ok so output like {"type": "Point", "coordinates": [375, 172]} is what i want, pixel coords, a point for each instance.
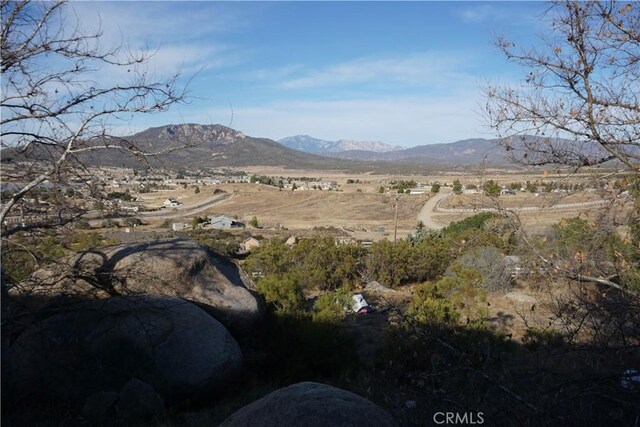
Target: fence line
{"type": "Point", "coordinates": [438, 208]}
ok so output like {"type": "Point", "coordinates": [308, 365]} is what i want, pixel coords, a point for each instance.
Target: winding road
{"type": "Point", "coordinates": [182, 212]}
{"type": "Point", "coordinates": [431, 209]}
{"type": "Point", "coordinates": [428, 212]}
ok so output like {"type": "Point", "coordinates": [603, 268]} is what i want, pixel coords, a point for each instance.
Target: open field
{"type": "Point", "coordinates": [360, 214]}
{"type": "Point", "coordinates": [519, 200]}
{"type": "Point", "coordinates": [356, 208]}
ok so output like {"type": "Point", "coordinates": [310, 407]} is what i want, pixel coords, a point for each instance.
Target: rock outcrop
{"type": "Point", "coordinates": [173, 267]}
{"type": "Point", "coordinates": [310, 404]}
{"type": "Point", "coordinates": [99, 346]}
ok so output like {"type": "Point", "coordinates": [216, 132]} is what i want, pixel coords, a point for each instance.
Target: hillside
{"type": "Point", "coordinates": [211, 146]}
{"type": "Point", "coordinates": [204, 146]}
{"type": "Point", "coordinates": [469, 151]}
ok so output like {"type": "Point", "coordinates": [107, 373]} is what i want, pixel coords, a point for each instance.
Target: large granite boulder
{"type": "Point", "coordinates": [99, 346]}
{"type": "Point", "coordinates": [310, 404]}
{"type": "Point", "coordinates": [174, 267]}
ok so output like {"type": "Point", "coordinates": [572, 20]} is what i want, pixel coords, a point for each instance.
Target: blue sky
{"type": "Point", "coordinates": [405, 73]}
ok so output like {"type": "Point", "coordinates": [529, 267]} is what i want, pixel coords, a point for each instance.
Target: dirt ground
{"type": "Point", "coordinates": [354, 212]}
{"type": "Point", "coordinates": [519, 200]}
{"type": "Point", "coordinates": [357, 208]}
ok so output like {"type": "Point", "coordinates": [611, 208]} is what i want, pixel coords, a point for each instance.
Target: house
{"type": "Point", "coordinates": [417, 191]}
{"type": "Point", "coordinates": [345, 241]}
{"type": "Point", "coordinates": [250, 243]}
{"type": "Point", "coordinates": [171, 203]}
{"type": "Point", "coordinates": [328, 185]}
{"type": "Point", "coordinates": [223, 222]}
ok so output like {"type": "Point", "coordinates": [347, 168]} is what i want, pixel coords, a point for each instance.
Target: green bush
{"type": "Point", "coordinates": [431, 309]}
{"type": "Point", "coordinates": [283, 293]}
{"type": "Point", "coordinates": [330, 307]}
{"type": "Point", "coordinates": [218, 241]}
{"type": "Point", "coordinates": [443, 302]}
{"type": "Point", "coordinates": [457, 187]}
{"type": "Point", "coordinates": [474, 222]}
{"type": "Point", "coordinates": [491, 188]}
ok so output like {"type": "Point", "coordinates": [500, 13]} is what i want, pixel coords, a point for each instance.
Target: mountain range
{"type": "Point", "coordinates": [313, 145]}
{"type": "Point", "coordinates": [210, 146]}
{"type": "Point", "coordinates": [469, 151]}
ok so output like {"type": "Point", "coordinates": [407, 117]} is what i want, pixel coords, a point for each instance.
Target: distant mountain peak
{"type": "Point", "coordinates": [310, 144]}
{"type": "Point", "coordinates": [192, 132]}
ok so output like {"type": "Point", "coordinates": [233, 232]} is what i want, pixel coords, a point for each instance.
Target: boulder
{"type": "Point", "coordinates": [310, 404]}
{"type": "Point", "coordinates": [101, 345]}
{"type": "Point", "coordinates": [375, 286]}
{"type": "Point", "coordinates": [139, 402]}
{"type": "Point", "coordinates": [173, 267]}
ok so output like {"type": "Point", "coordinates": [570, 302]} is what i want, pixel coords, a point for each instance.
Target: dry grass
{"type": "Point", "coordinates": [519, 200]}
{"type": "Point", "coordinates": [359, 209]}
{"type": "Point", "coordinates": [352, 211]}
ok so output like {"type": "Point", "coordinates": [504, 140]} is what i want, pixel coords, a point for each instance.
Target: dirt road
{"type": "Point", "coordinates": [428, 214]}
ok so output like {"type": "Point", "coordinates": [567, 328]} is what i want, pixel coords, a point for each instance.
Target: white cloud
{"type": "Point", "coordinates": [174, 39]}
{"type": "Point", "coordinates": [481, 13]}
{"type": "Point", "coordinates": [405, 121]}
{"type": "Point", "coordinates": [418, 69]}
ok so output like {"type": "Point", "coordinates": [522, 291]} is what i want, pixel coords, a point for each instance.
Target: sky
{"type": "Point", "coordinates": [404, 73]}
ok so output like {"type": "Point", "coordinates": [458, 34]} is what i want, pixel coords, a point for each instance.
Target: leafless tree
{"type": "Point", "coordinates": [58, 102]}
{"type": "Point", "coordinates": [583, 83]}
{"type": "Point", "coordinates": [579, 105]}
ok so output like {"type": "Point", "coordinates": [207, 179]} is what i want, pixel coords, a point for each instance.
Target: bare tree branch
{"type": "Point", "coordinates": [51, 114]}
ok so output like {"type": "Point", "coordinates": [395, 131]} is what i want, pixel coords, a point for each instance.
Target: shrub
{"type": "Point", "coordinates": [283, 293]}
{"type": "Point", "coordinates": [474, 222]}
{"type": "Point", "coordinates": [491, 188]}
{"type": "Point", "coordinates": [457, 187]}
{"type": "Point", "coordinates": [459, 290]}
{"type": "Point", "coordinates": [330, 307]}
{"type": "Point", "coordinates": [431, 308]}
{"type": "Point", "coordinates": [492, 266]}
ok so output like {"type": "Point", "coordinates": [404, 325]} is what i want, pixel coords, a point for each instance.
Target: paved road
{"type": "Point", "coordinates": [180, 212]}
{"type": "Point", "coordinates": [186, 210]}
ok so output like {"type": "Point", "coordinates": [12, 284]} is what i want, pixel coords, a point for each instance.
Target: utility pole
{"type": "Point", "coordinates": [395, 229]}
